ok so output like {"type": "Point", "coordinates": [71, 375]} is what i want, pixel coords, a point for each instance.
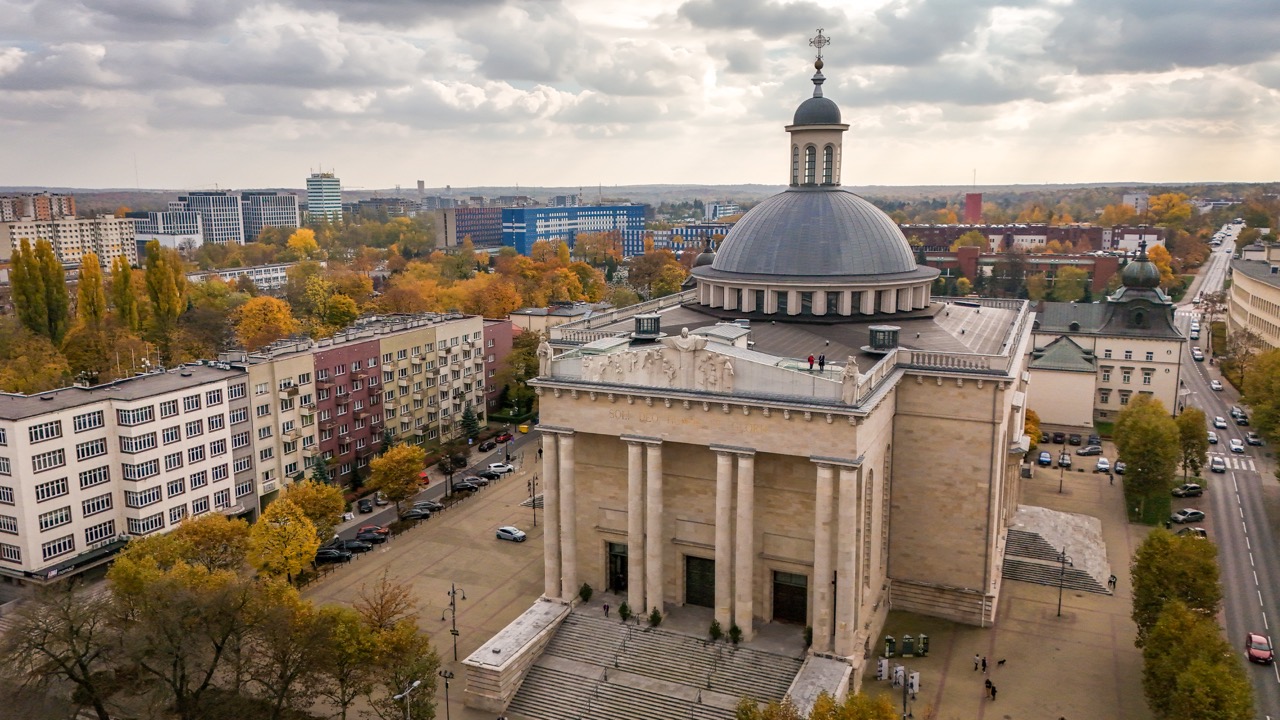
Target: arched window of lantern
{"type": "Point", "coordinates": [795, 164]}
{"type": "Point", "coordinates": [810, 165]}
{"type": "Point", "coordinates": [828, 164]}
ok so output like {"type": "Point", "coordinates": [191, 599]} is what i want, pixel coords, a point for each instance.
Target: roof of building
{"type": "Point", "coordinates": [1063, 354]}
{"type": "Point", "coordinates": [817, 110]}
{"type": "Point", "coordinates": [1257, 269]}
{"type": "Point", "coordinates": [17, 407]}
{"type": "Point", "coordinates": [815, 231]}
{"type": "Point", "coordinates": [573, 310]}
{"type": "Point", "coordinates": [1120, 316]}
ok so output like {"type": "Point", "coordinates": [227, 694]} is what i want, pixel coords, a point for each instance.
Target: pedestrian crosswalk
{"type": "Point", "coordinates": [1235, 461]}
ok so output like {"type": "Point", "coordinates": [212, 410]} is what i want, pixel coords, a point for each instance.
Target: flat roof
{"type": "Point", "coordinates": [16, 406]}
{"type": "Point", "coordinates": [1259, 270]}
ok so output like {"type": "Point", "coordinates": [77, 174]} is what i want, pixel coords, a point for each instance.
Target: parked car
{"type": "Point", "coordinates": [1242, 419]}
{"type": "Point", "coordinates": [1044, 438]}
{"type": "Point", "coordinates": [1090, 450]}
{"type": "Point", "coordinates": [1195, 532]}
{"type": "Point", "coordinates": [416, 514]}
{"type": "Point", "coordinates": [501, 468]}
{"type": "Point", "coordinates": [1197, 356]}
{"type": "Point", "coordinates": [1215, 385]}
{"type": "Point", "coordinates": [1213, 438]}
{"type": "Point", "coordinates": [1236, 445]}
{"type": "Point", "coordinates": [1118, 468]}
{"type": "Point", "coordinates": [1195, 334]}
{"type": "Point", "coordinates": [476, 480]}
{"type": "Point", "coordinates": [1258, 648]}
{"type": "Point", "coordinates": [1218, 465]}
{"type": "Point", "coordinates": [1064, 460]}
{"type": "Point", "coordinates": [372, 538]}
{"type": "Point", "coordinates": [352, 546]}
{"type": "Point", "coordinates": [379, 500]}
{"type": "Point", "coordinates": [1188, 490]}
{"type": "Point", "coordinates": [1186, 515]}
{"type": "Point", "coordinates": [1103, 465]}
{"type": "Point", "coordinates": [1074, 439]}
{"type": "Point", "coordinates": [462, 486]}
{"type": "Point", "coordinates": [1235, 411]}
{"type": "Point", "coordinates": [332, 555]}
{"type": "Point", "coordinates": [506, 532]}
{"type": "Point", "coordinates": [490, 475]}
{"type": "Point", "coordinates": [1046, 460]}
{"type": "Point", "coordinates": [431, 505]}
{"type": "Point", "coordinates": [488, 445]}
{"type": "Point", "coordinates": [1059, 438]}
{"type": "Point", "coordinates": [505, 437]}
{"type": "Point", "coordinates": [1253, 438]}
{"type": "Point", "coordinates": [379, 529]}
{"type": "Point", "coordinates": [365, 505]}
{"type": "Point", "coordinates": [1093, 440]}
{"type": "Point", "coordinates": [1219, 422]}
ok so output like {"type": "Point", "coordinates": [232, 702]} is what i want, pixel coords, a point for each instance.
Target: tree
{"type": "Point", "coordinates": [64, 634]}
{"type": "Point", "coordinates": [1147, 439]}
{"type": "Point", "coordinates": [166, 287]}
{"type": "Point", "coordinates": [669, 280]}
{"type": "Point", "coordinates": [1069, 286]}
{"type": "Point", "coordinates": [303, 243]}
{"type": "Point", "coordinates": [263, 320]}
{"type": "Point", "coordinates": [286, 643]}
{"type": "Point", "coordinates": [1242, 346]}
{"type": "Point", "coordinates": [122, 295]}
{"type": "Point", "coordinates": [404, 655]}
{"type": "Point", "coordinates": [1169, 208]}
{"type": "Point", "coordinates": [39, 289]}
{"type": "Point", "coordinates": [345, 661]}
{"type": "Point", "coordinates": [342, 311]}
{"type": "Point", "coordinates": [395, 473]}
{"type": "Point", "coordinates": [1262, 393]}
{"type": "Point", "coordinates": [470, 423]}
{"type": "Point", "coordinates": [91, 300]}
{"type": "Point", "coordinates": [1168, 567]}
{"type": "Point", "coordinates": [1037, 287]}
{"type": "Point", "coordinates": [963, 286]}
{"type": "Point", "coordinates": [1118, 214]}
{"type": "Point", "coordinates": [1164, 262]}
{"type": "Point", "coordinates": [1193, 442]}
{"type": "Point", "coordinates": [1191, 672]}
{"type": "Point", "coordinates": [322, 503]}
{"type": "Point", "coordinates": [1031, 427]}
{"type": "Point", "coordinates": [385, 604]}
{"type": "Point", "coordinates": [973, 238]}
{"type": "Point", "coordinates": [621, 297]}
{"type": "Point", "coordinates": [283, 541]}
{"type": "Point", "coordinates": [29, 363]}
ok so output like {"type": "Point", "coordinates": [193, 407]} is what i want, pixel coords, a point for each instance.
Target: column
{"type": "Point", "coordinates": [744, 571]}
{"type": "Point", "coordinates": [846, 621]}
{"type": "Point", "coordinates": [820, 303]}
{"type": "Point", "coordinates": [568, 522]}
{"type": "Point", "coordinates": [822, 507]}
{"type": "Point", "coordinates": [868, 305]}
{"type": "Point", "coordinates": [888, 300]}
{"type": "Point", "coordinates": [551, 515]}
{"type": "Point", "coordinates": [635, 526]}
{"type": "Point", "coordinates": [793, 302]}
{"type": "Point", "coordinates": [724, 539]}
{"type": "Point", "coordinates": [653, 545]}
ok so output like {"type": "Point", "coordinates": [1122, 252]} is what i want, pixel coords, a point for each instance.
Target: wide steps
{"type": "Point", "coordinates": [549, 694]}
{"type": "Point", "coordinates": [1021, 543]}
{"type": "Point", "coordinates": [1043, 574]}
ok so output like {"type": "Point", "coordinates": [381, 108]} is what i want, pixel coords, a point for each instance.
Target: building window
{"type": "Point", "coordinates": [828, 163]}
{"type": "Point", "coordinates": [194, 428]}
{"type": "Point", "coordinates": [138, 444]}
{"type": "Point", "coordinates": [220, 472]}
{"type": "Point", "coordinates": [1128, 354]}
{"type": "Point", "coordinates": [1151, 356]}
{"type": "Point", "coordinates": [142, 471]}
{"type": "Point", "coordinates": [191, 403]}
{"type": "Point", "coordinates": [243, 489]}
{"type": "Point", "coordinates": [1146, 377]}
{"type": "Point", "coordinates": [235, 392]}
{"type": "Point", "coordinates": [55, 518]}
{"type": "Point", "coordinates": [88, 421]}
{"type": "Point", "coordinates": [45, 431]}
{"type": "Point", "coordinates": [199, 480]}
{"type": "Point", "coordinates": [1106, 353]}
{"type": "Point", "coordinates": [261, 388]}
{"type": "Point", "coordinates": [171, 435]}
{"type": "Point", "coordinates": [263, 410]}
{"type": "Point", "coordinates": [195, 454]}
{"type": "Point", "coordinates": [177, 513]}
{"type": "Point", "coordinates": [264, 432]}
{"type": "Point", "coordinates": [216, 422]}
{"type": "Point", "coordinates": [136, 416]}
{"type": "Point", "coordinates": [95, 505]}
{"type": "Point", "coordinates": [172, 461]}
{"type": "Point", "coordinates": [9, 524]}
{"type": "Point", "coordinates": [100, 532]}
{"type": "Point", "coordinates": [810, 165]}
{"type": "Point", "coordinates": [213, 397]}
{"type": "Point", "coordinates": [240, 465]}
{"type": "Point", "coordinates": [176, 487]}
{"type": "Point", "coordinates": [222, 499]}
{"type": "Point", "coordinates": [217, 447]}
{"type": "Point", "coordinates": [151, 496]}
{"type": "Point", "coordinates": [61, 546]}
{"type": "Point", "coordinates": [200, 506]}
{"type": "Point", "coordinates": [96, 476]}
{"type": "Point", "coordinates": [10, 553]}
{"type": "Point", "coordinates": [240, 440]}
{"type": "Point", "coordinates": [168, 408]}
{"type": "Point", "coordinates": [146, 525]}
{"type": "Point", "coordinates": [1125, 376]}
{"type": "Point", "coordinates": [91, 449]}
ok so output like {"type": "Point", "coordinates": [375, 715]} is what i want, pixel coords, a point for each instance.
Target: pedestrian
{"type": "Point", "coordinates": [976, 659]}
{"type": "Point", "coordinates": [988, 690]}
{"type": "Point", "coordinates": [984, 664]}
{"type": "Point", "coordinates": [606, 609]}
{"type": "Point", "coordinates": [1111, 582]}
{"type": "Point", "coordinates": [822, 363]}
{"type": "Point", "coordinates": [993, 692]}
{"type": "Point", "coordinates": [810, 363]}
{"type": "Point", "coordinates": [1111, 477]}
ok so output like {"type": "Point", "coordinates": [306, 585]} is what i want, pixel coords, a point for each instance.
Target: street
{"type": "Point", "coordinates": [1236, 503]}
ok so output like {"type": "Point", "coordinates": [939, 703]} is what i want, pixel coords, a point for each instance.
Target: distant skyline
{"type": "Point", "coordinates": [186, 95]}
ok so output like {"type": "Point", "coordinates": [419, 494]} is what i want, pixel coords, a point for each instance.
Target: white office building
{"type": "Point", "coordinates": [324, 197]}
{"type": "Point", "coordinates": [177, 229]}
{"type": "Point", "coordinates": [221, 218]}
{"type": "Point", "coordinates": [266, 208]}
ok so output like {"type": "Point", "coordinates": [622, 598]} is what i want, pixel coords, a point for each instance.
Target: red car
{"type": "Point", "coordinates": [1258, 648]}
{"type": "Point", "coordinates": [375, 529]}
{"type": "Point", "coordinates": [505, 437]}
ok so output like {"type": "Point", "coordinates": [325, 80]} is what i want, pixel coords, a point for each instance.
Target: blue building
{"type": "Point", "coordinates": [522, 227]}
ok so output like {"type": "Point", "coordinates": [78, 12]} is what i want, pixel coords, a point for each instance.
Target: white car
{"type": "Point", "coordinates": [506, 532]}
{"type": "Point", "coordinates": [1219, 422]}
{"type": "Point", "coordinates": [1236, 445]}
{"type": "Point", "coordinates": [1215, 385]}
{"type": "Point", "coordinates": [504, 468]}
{"type": "Point", "coordinates": [1103, 465]}
{"type": "Point", "coordinates": [1213, 438]}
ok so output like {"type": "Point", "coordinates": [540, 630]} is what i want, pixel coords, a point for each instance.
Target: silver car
{"type": "Point", "coordinates": [507, 532]}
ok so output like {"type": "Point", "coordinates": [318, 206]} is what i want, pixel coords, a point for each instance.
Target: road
{"type": "Point", "coordinates": [1234, 502]}
{"type": "Point", "coordinates": [523, 443]}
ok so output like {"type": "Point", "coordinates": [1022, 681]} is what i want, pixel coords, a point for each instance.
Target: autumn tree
{"type": "Point", "coordinates": [283, 541]}
{"type": "Point", "coordinates": [1069, 285]}
{"type": "Point", "coordinates": [964, 286]}
{"type": "Point", "coordinates": [1168, 567]}
{"type": "Point", "coordinates": [263, 320]}
{"type": "Point", "coordinates": [1117, 214]}
{"type": "Point", "coordinates": [322, 503]}
{"type": "Point", "coordinates": [166, 287]}
{"type": "Point", "coordinates": [91, 300]}
{"type": "Point", "coordinates": [283, 666]}
{"type": "Point", "coordinates": [1192, 441]}
{"type": "Point", "coordinates": [1190, 672]}
{"type": "Point", "coordinates": [1242, 345]}
{"type": "Point", "coordinates": [395, 473]}
{"type": "Point", "coordinates": [1147, 440]}
{"type": "Point", "coordinates": [1037, 287]}
{"type": "Point", "coordinates": [1164, 262]}
{"type": "Point", "coordinates": [39, 288]}
{"type": "Point", "coordinates": [302, 243]}
{"type": "Point", "coordinates": [345, 661]}
{"type": "Point", "coordinates": [341, 311]}
{"type": "Point", "coordinates": [29, 363]}
{"type": "Point", "coordinates": [123, 297]}
{"type": "Point", "coordinates": [1262, 392]}
{"type": "Point", "coordinates": [1169, 208]}
{"type": "Point", "coordinates": [385, 604]}
{"type": "Point", "coordinates": [973, 238]}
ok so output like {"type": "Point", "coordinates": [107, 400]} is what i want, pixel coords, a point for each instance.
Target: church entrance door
{"type": "Point", "coordinates": [617, 567]}
{"type": "Point", "coordinates": [699, 581]}
{"type": "Point", "coordinates": [790, 597]}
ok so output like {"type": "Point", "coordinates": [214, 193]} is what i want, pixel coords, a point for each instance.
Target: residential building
{"type": "Point", "coordinates": [265, 208]}
{"type": "Point", "coordinates": [1034, 237]}
{"type": "Point", "coordinates": [264, 277]}
{"type": "Point", "coordinates": [498, 336]}
{"type": "Point", "coordinates": [37, 206]}
{"type": "Point", "coordinates": [176, 229]}
{"type": "Point", "coordinates": [972, 263]}
{"type": "Point", "coordinates": [1254, 298]}
{"type": "Point", "coordinates": [1138, 201]}
{"type": "Point", "coordinates": [482, 224]}
{"type": "Point", "coordinates": [71, 237]}
{"type": "Point", "coordinates": [712, 212]}
{"type": "Point", "coordinates": [523, 226]}
{"type": "Point", "coordinates": [1089, 360]}
{"type": "Point", "coordinates": [82, 469]}
{"type": "Point", "coordinates": [324, 197]}
{"type": "Point", "coordinates": [689, 236]}
{"type": "Point", "coordinates": [565, 201]}
{"type": "Point", "coordinates": [221, 215]}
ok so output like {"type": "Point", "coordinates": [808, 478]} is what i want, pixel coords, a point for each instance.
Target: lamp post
{"type": "Point", "coordinates": [447, 675]}
{"type": "Point", "coordinates": [1062, 471]}
{"type": "Point", "coordinates": [1063, 559]}
{"type": "Point", "coordinates": [533, 493]}
{"type": "Point", "coordinates": [404, 697]}
{"type": "Point", "coordinates": [455, 593]}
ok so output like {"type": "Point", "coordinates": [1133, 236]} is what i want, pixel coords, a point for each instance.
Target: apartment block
{"type": "Point", "coordinates": [71, 237]}
{"type": "Point", "coordinates": [524, 226]}
{"type": "Point", "coordinates": [482, 224]}
{"type": "Point", "coordinates": [498, 336]}
{"type": "Point", "coordinates": [82, 469]}
{"type": "Point", "coordinates": [37, 206]}
{"type": "Point", "coordinates": [264, 277]}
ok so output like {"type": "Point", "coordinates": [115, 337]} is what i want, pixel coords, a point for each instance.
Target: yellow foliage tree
{"type": "Point", "coordinates": [1163, 260]}
{"type": "Point", "coordinates": [283, 541]}
{"type": "Point", "coordinates": [1169, 208]}
{"type": "Point", "coordinates": [973, 238]}
{"type": "Point", "coordinates": [1118, 214]}
{"type": "Point", "coordinates": [303, 243]}
{"type": "Point", "coordinates": [320, 502]}
{"type": "Point", "coordinates": [263, 320]}
{"type": "Point", "coordinates": [395, 474]}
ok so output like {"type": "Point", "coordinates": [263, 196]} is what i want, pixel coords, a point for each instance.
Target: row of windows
{"type": "Point", "coordinates": [1150, 355]}
{"type": "Point", "coordinates": [150, 496]}
{"type": "Point", "coordinates": [45, 431]}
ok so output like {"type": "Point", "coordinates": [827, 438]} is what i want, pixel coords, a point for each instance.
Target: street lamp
{"type": "Point", "coordinates": [404, 697]}
{"type": "Point", "coordinates": [447, 675]}
{"type": "Point", "coordinates": [1062, 471]}
{"type": "Point", "coordinates": [1063, 560]}
{"type": "Point", "coordinates": [455, 593]}
{"type": "Point", "coordinates": [533, 503]}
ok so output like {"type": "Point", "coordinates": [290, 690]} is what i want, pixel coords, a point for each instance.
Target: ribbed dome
{"type": "Point", "coordinates": [1141, 273]}
{"type": "Point", "coordinates": [815, 232]}
{"type": "Point", "coordinates": [817, 111]}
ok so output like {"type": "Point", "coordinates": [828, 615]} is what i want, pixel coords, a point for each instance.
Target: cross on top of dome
{"type": "Point", "coordinates": [819, 41]}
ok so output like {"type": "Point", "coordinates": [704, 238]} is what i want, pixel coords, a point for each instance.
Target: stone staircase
{"type": "Point", "coordinates": [1023, 544]}
{"type": "Point", "coordinates": [536, 502]}
{"type": "Point", "coordinates": [1028, 557]}
{"type": "Point", "coordinates": [596, 667]}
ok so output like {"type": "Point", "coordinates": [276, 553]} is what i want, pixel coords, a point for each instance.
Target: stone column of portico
{"type": "Point", "coordinates": [868, 304]}
{"type": "Point", "coordinates": [745, 553]}
{"type": "Point", "coordinates": [846, 621]}
{"type": "Point", "coordinates": [635, 525]}
{"type": "Point", "coordinates": [888, 301]}
{"type": "Point", "coordinates": [550, 515]}
{"type": "Point", "coordinates": [820, 303]}
{"type": "Point", "coordinates": [822, 509]}
{"type": "Point", "coordinates": [724, 538]}
{"type": "Point", "coordinates": [653, 540]}
{"type": "Point", "coordinates": [568, 521]}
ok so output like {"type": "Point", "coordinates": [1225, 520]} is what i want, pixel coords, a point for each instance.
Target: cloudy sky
{"type": "Point", "coordinates": [247, 93]}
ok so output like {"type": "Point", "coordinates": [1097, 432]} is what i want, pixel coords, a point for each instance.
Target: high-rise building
{"type": "Point", "coordinates": [482, 225]}
{"type": "Point", "coordinates": [716, 210]}
{"type": "Point", "coordinates": [177, 229]}
{"type": "Point", "coordinates": [37, 206]}
{"type": "Point", "coordinates": [522, 227]}
{"type": "Point", "coordinates": [71, 237]}
{"type": "Point", "coordinates": [221, 218]}
{"type": "Point", "coordinates": [1141, 202]}
{"type": "Point", "coordinates": [324, 197]}
{"type": "Point", "coordinates": [267, 208]}
{"type": "Point", "coordinates": [973, 208]}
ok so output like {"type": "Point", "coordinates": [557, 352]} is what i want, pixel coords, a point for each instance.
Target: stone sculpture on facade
{"type": "Point", "coordinates": [544, 357]}
{"type": "Point", "coordinates": [850, 379]}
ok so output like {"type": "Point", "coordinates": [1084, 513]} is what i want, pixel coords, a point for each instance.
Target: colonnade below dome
{"type": "Point", "coordinates": [815, 300]}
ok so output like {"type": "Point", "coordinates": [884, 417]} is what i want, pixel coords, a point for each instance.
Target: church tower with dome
{"type": "Point", "coordinates": [803, 439]}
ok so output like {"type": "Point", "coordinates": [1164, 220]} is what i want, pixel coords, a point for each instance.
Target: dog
{"type": "Point", "coordinates": [1000, 662]}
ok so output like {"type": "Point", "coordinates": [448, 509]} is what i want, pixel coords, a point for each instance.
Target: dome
{"type": "Point", "coordinates": [817, 111]}
{"type": "Point", "coordinates": [815, 231]}
{"type": "Point", "coordinates": [1141, 273]}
